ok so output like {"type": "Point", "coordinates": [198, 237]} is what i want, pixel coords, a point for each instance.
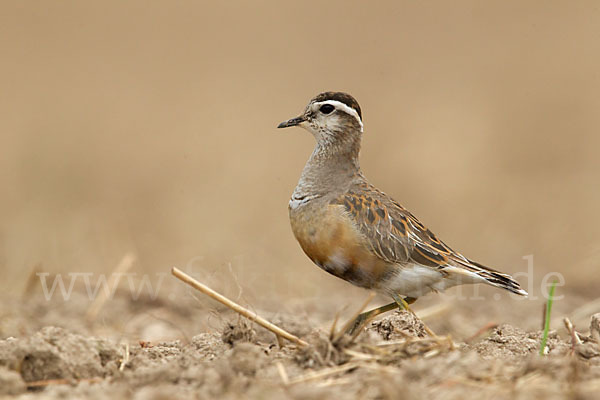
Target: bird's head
{"type": "Point", "coordinates": [332, 117]}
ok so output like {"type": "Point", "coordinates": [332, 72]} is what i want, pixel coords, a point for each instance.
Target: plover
{"type": "Point", "coordinates": [354, 231]}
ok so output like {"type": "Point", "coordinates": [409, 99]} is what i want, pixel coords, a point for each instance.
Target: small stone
{"type": "Point", "coordinates": [595, 327]}
{"type": "Point", "coordinates": [588, 350]}
{"type": "Point", "coordinates": [11, 383]}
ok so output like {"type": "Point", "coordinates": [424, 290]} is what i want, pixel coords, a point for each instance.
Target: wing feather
{"type": "Point", "coordinates": [397, 236]}
{"type": "Point", "coordinates": [393, 233]}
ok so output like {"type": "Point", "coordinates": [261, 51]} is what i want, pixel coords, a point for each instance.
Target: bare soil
{"type": "Point", "coordinates": [392, 358]}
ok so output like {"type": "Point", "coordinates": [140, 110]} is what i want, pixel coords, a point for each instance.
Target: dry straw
{"type": "Point", "coordinates": [251, 315]}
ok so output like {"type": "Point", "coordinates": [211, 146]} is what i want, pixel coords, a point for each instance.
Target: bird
{"type": "Point", "coordinates": [354, 231]}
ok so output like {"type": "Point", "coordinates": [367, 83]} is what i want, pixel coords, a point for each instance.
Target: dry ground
{"type": "Point", "coordinates": [213, 353]}
{"type": "Point", "coordinates": [149, 128]}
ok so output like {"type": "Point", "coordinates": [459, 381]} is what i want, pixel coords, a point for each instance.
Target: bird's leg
{"type": "Point", "coordinates": [403, 304]}
{"type": "Point", "coordinates": [367, 315]}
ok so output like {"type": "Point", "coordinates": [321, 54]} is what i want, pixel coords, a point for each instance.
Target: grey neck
{"type": "Point", "coordinates": [332, 167]}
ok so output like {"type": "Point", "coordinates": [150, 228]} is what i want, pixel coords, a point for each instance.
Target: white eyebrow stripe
{"type": "Point", "coordinates": [343, 107]}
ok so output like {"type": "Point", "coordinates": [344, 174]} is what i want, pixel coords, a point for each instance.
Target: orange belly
{"type": "Point", "coordinates": [331, 241]}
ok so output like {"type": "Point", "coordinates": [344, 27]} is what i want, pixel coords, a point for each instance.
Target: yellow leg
{"type": "Point", "coordinates": [403, 304]}
{"type": "Point", "coordinates": [368, 315]}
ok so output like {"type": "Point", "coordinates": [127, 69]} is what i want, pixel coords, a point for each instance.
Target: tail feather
{"type": "Point", "coordinates": [493, 277]}
{"type": "Point", "coordinates": [499, 279]}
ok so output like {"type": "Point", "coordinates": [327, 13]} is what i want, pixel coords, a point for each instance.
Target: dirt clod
{"type": "Point", "coordinates": [242, 331]}
{"type": "Point", "coordinates": [595, 327]}
{"type": "Point", "coordinates": [11, 382]}
{"type": "Point", "coordinates": [398, 325]}
{"type": "Point", "coordinates": [507, 341]}
{"type": "Point", "coordinates": [54, 353]}
{"type": "Point", "coordinates": [588, 350]}
{"type": "Point", "coordinates": [247, 358]}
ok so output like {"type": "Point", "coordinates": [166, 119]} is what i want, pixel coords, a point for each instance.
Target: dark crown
{"type": "Point", "coordinates": [341, 97]}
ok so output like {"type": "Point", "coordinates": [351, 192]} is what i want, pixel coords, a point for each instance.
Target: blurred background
{"type": "Point", "coordinates": [149, 127]}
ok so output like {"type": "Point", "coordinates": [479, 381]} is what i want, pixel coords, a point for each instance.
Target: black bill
{"type": "Point", "coordinates": [291, 122]}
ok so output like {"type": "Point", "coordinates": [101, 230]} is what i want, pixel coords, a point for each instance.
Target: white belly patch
{"type": "Point", "coordinates": [416, 280]}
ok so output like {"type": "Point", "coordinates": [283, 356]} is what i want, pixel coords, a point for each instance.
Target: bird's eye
{"type": "Point", "coordinates": [326, 108]}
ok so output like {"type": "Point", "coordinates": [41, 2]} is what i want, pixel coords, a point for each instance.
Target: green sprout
{"type": "Point", "coordinates": [547, 318]}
